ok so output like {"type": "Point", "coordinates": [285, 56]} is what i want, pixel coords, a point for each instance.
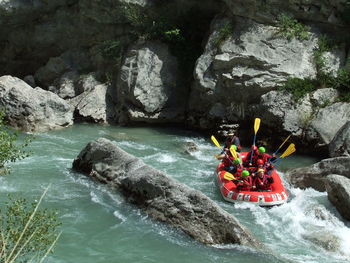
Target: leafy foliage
{"type": "Point", "coordinates": [176, 29]}
{"type": "Point", "coordinates": [110, 49]}
{"type": "Point", "coordinates": [299, 87]}
{"type": "Point", "coordinates": [224, 32]}
{"type": "Point", "coordinates": [10, 151]}
{"type": "Point", "coordinates": [26, 232]}
{"type": "Point", "coordinates": [290, 28]}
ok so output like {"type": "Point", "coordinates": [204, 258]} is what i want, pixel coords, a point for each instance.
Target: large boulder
{"type": "Point", "coordinates": [340, 145]}
{"type": "Point", "coordinates": [329, 13]}
{"type": "Point", "coordinates": [328, 122]}
{"type": "Point", "coordinates": [236, 69]}
{"type": "Point", "coordinates": [92, 105]}
{"type": "Point", "coordinates": [162, 197]}
{"type": "Point", "coordinates": [32, 109]}
{"type": "Point", "coordinates": [148, 85]}
{"type": "Point", "coordinates": [314, 175]}
{"type": "Point", "coordinates": [314, 117]}
{"type": "Point", "coordinates": [338, 190]}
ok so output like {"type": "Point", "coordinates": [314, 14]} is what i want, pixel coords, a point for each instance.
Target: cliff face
{"type": "Point", "coordinates": [200, 64]}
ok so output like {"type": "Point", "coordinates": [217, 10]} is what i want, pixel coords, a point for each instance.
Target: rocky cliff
{"type": "Point", "coordinates": [199, 64]}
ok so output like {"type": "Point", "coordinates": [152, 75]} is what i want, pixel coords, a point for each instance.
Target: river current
{"type": "Point", "coordinates": [100, 227]}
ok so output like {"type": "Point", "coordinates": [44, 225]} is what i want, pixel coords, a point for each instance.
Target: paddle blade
{"type": "Point", "coordinates": [256, 125]}
{"type": "Point", "coordinates": [215, 141]}
{"type": "Point", "coordinates": [229, 176]}
{"type": "Point", "coordinates": [234, 153]}
{"type": "Point", "coordinates": [291, 149]}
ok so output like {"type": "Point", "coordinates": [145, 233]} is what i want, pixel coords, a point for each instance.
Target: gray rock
{"type": "Point", "coordinates": [326, 12]}
{"type": "Point", "coordinates": [86, 83]}
{"type": "Point", "coordinates": [92, 105]}
{"type": "Point", "coordinates": [30, 81]}
{"type": "Point", "coordinates": [162, 197]}
{"type": "Point", "coordinates": [64, 86]}
{"type": "Point", "coordinates": [148, 85]}
{"type": "Point", "coordinates": [248, 63]}
{"type": "Point", "coordinates": [314, 175]}
{"type": "Point", "coordinates": [328, 121]}
{"type": "Point", "coordinates": [312, 118]}
{"type": "Point", "coordinates": [340, 145]}
{"type": "Point", "coordinates": [54, 68]}
{"type": "Point", "coordinates": [338, 190]}
{"type": "Point", "coordinates": [325, 239]}
{"type": "Point", "coordinates": [190, 147]}
{"type": "Point", "coordinates": [32, 109]}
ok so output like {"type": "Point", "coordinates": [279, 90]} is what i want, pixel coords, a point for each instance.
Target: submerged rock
{"type": "Point", "coordinates": [32, 109]}
{"type": "Point", "coordinates": [190, 147]}
{"type": "Point", "coordinates": [314, 175]}
{"type": "Point", "coordinates": [160, 196]}
{"type": "Point", "coordinates": [325, 239]}
{"type": "Point", "coordinates": [338, 189]}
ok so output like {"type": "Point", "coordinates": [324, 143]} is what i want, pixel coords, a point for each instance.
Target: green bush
{"type": "Point", "coordinates": [26, 233]}
{"type": "Point", "coordinates": [224, 32]}
{"type": "Point", "coordinates": [110, 49]}
{"type": "Point", "coordinates": [299, 87]}
{"type": "Point", "coordinates": [342, 83]}
{"type": "Point", "coordinates": [290, 28]}
{"type": "Point", "coordinates": [10, 151]}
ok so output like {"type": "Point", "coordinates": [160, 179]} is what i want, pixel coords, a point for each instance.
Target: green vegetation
{"type": "Point", "coordinates": [290, 28]}
{"type": "Point", "coordinates": [224, 32]}
{"type": "Point", "coordinates": [176, 29]}
{"type": "Point", "coordinates": [110, 49]}
{"type": "Point", "coordinates": [26, 233]}
{"type": "Point", "coordinates": [324, 78]}
{"type": "Point", "coordinates": [10, 151]}
{"type": "Point", "coordinates": [299, 87]}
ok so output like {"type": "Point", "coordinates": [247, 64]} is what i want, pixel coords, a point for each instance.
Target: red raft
{"type": "Point", "coordinates": [276, 196]}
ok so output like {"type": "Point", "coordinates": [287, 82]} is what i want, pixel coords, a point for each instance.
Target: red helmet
{"type": "Point", "coordinates": [260, 162]}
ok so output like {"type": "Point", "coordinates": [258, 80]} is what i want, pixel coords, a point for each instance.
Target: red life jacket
{"type": "Point", "coordinates": [262, 183]}
{"type": "Point", "coordinates": [246, 183]}
{"type": "Point", "coordinates": [228, 160]}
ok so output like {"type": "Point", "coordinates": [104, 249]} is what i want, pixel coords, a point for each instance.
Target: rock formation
{"type": "Point", "coordinates": [314, 175]}
{"type": "Point", "coordinates": [32, 109]}
{"type": "Point", "coordinates": [340, 145]}
{"type": "Point", "coordinates": [338, 189]}
{"type": "Point", "coordinates": [160, 196]}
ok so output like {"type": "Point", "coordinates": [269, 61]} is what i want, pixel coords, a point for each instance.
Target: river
{"type": "Point", "coordinates": [100, 227]}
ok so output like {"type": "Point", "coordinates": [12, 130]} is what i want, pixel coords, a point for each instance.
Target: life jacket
{"type": "Point", "coordinates": [245, 184]}
{"type": "Point", "coordinates": [262, 183]}
{"type": "Point", "coordinates": [228, 161]}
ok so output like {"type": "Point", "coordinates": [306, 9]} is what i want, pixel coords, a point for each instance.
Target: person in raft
{"type": "Point", "coordinates": [244, 181]}
{"type": "Point", "coordinates": [232, 139]}
{"type": "Point", "coordinates": [259, 156]}
{"type": "Point", "coordinates": [230, 164]}
{"type": "Point", "coordinates": [262, 182]}
{"type": "Point", "coordinates": [254, 152]}
{"type": "Point", "coordinates": [225, 152]}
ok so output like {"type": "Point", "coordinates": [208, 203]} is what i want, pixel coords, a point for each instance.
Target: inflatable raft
{"type": "Point", "coordinates": [276, 196]}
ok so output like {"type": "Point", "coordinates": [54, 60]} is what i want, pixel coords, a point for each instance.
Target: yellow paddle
{"type": "Point", "coordinates": [282, 144]}
{"type": "Point", "coordinates": [234, 153]}
{"type": "Point", "coordinates": [256, 128]}
{"type": "Point", "coordinates": [215, 141]}
{"type": "Point", "coordinates": [229, 176]}
{"type": "Point", "coordinates": [291, 149]}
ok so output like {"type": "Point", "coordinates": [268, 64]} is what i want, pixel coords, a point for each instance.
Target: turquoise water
{"type": "Point", "coordinates": [100, 227]}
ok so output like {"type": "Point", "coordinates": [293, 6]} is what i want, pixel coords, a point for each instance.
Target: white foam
{"type": "Point", "coordinates": [118, 215]}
